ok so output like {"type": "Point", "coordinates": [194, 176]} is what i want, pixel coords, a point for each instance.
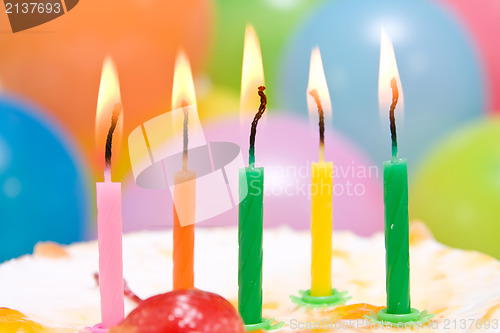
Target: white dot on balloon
{"type": "Point", "coordinates": [12, 187]}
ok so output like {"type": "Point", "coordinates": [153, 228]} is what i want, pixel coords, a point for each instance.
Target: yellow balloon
{"type": "Point", "coordinates": [216, 103]}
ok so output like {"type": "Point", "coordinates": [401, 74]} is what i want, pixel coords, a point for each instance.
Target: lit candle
{"type": "Point", "coordinates": [108, 196]}
{"type": "Point", "coordinates": [318, 100]}
{"type": "Point", "coordinates": [183, 95]}
{"type": "Point", "coordinates": [251, 211]}
{"type": "Point", "coordinates": [319, 105]}
{"type": "Point", "coordinates": [397, 253]}
{"type": "Point", "coordinates": [395, 190]}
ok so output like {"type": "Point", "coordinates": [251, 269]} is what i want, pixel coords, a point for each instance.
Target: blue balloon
{"type": "Point", "coordinates": [43, 192]}
{"type": "Point", "coordinates": [440, 73]}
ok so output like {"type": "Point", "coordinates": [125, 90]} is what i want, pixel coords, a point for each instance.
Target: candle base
{"type": "Point", "coordinates": [414, 319]}
{"type": "Point", "coordinates": [95, 329]}
{"type": "Point", "coordinates": [306, 300]}
{"type": "Point", "coordinates": [265, 325]}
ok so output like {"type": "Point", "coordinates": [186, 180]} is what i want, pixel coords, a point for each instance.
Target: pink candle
{"type": "Point", "coordinates": [109, 204]}
{"type": "Point", "coordinates": [109, 235]}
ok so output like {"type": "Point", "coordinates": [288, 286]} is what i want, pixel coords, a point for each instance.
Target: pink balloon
{"type": "Point", "coordinates": [482, 18]}
{"type": "Point", "coordinates": [285, 146]}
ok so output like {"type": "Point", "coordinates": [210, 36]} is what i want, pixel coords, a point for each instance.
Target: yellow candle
{"type": "Point", "coordinates": [321, 293]}
{"type": "Point", "coordinates": [318, 101]}
{"type": "Point", "coordinates": [321, 228]}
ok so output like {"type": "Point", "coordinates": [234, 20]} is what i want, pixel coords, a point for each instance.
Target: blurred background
{"type": "Point", "coordinates": [448, 57]}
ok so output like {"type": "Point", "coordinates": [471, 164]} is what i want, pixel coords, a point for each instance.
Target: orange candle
{"type": "Point", "coordinates": [183, 95]}
{"type": "Point", "coordinates": [184, 206]}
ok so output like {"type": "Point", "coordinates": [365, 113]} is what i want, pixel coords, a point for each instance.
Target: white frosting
{"type": "Point", "coordinates": [62, 292]}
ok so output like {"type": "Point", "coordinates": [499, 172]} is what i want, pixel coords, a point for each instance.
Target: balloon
{"type": "Point", "coordinates": [483, 23]}
{"type": "Point", "coordinates": [58, 64]}
{"type": "Point", "coordinates": [457, 191]}
{"type": "Point", "coordinates": [273, 20]}
{"type": "Point", "coordinates": [440, 74]}
{"type": "Point", "coordinates": [216, 103]}
{"type": "Point", "coordinates": [285, 147]}
{"type": "Point", "coordinates": [43, 191]}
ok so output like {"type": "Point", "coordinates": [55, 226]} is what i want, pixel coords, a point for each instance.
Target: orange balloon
{"type": "Point", "coordinates": [58, 64]}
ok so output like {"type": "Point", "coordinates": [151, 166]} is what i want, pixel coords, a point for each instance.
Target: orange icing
{"type": "Point", "coordinates": [477, 259]}
{"type": "Point", "coordinates": [360, 283]}
{"type": "Point", "coordinates": [340, 254]}
{"type": "Point", "coordinates": [352, 312]}
{"type": "Point", "coordinates": [490, 312]}
{"type": "Point", "coordinates": [12, 321]}
{"type": "Point", "coordinates": [439, 311]}
{"type": "Point", "coordinates": [166, 253]}
{"type": "Point", "coordinates": [271, 305]}
{"type": "Point", "coordinates": [50, 250]}
{"type": "Point", "coordinates": [419, 233]}
{"type": "Point", "coordinates": [234, 302]}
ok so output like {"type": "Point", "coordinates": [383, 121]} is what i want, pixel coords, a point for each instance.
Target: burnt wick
{"type": "Point", "coordinates": [395, 97]}
{"type": "Point", "coordinates": [109, 139]}
{"type": "Point", "coordinates": [253, 130]}
{"type": "Point", "coordinates": [315, 95]}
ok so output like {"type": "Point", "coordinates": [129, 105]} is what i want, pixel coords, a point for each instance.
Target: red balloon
{"type": "Point", "coordinates": [181, 311]}
{"type": "Point", "coordinates": [482, 18]}
{"type": "Point", "coordinates": [58, 64]}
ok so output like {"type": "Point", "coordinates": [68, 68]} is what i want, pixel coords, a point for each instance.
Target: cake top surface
{"type": "Point", "coordinates": [56, 286]}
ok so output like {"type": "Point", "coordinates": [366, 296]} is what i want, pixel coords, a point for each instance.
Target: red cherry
{"type": "Point", "coordinates": [183, 311]}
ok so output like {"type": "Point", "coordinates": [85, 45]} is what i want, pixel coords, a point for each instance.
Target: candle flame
{"type": "Point", "coordinates": [387, 71]}
{"type": "Point", "coordinates": [317, 81]}
{"type": "Point", "coordinates": [319, 103]}
{"type": "Point", "coordinates": [252, 77]}
{"type": "Point", "coordinates": [108, 101]}
{"type": "Point", "coordinates": [183, 93]}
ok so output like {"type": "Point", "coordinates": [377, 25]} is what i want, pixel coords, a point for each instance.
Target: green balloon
{"type": "Point", "coordinates": [273, 20]}
{"type": "Point", "coordinates": [457, 191]}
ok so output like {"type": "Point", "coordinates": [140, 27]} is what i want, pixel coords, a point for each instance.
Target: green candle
{"type": "Point", "coordinates": [250, 245]}
{"type": "Point", "coordinates": [396, 236]}
{"type": "Point", "coordinates": [397, 242]}
{"type": "Point", "coordinates": [396, 224]}
{"type": "Point", "coordinates": [250, 227]}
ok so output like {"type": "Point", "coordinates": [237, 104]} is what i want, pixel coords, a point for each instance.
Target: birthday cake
{"type": "Point", "coordinates": [55, 289]}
